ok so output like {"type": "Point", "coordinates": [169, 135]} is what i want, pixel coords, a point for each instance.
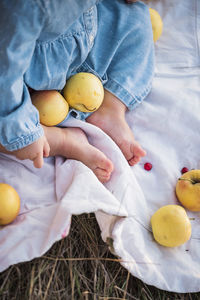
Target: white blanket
{"type": "Point", "coordinates": [167, 126]}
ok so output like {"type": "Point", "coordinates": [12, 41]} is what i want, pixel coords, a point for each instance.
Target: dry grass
{"type": "Point", "coordinates": [78, 267]}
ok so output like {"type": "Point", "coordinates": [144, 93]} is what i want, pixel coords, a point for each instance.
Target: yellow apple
{"type": "Point", "coordinates": [171, 226]}
{"type": "Point", "coordinates": [188, 190]}
{"type": "Point", "coordinates": [157, 24]}
{"type": "Point", "coordinates": [84, 92]}
{"type": "Point", "coordinates": [52, 107]}
{"type": "Point", "coordinates": [9, 203]}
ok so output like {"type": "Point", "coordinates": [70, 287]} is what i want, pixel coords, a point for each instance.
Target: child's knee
{"type": "Point", "coordinates": [139, 16]}
{"type": "Point", "coordinates": [140, 22]}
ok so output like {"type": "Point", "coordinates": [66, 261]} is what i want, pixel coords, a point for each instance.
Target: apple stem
{"type": "Point", "coordinates": [187, 179]}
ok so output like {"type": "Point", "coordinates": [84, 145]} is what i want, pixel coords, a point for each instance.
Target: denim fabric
{"type": "Point", "coordinates": [44, 42]}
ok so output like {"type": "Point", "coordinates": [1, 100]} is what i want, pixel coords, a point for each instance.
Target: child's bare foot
{"type": "Point", "coordinates": [72, 143]}
{"type": "Point", "coordinates": [110, 117]}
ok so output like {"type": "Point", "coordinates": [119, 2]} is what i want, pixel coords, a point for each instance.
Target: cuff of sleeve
{"type": "Point", "coordinates": [131, 101]}
{"type": "Point", "coordinates": [24, 141]}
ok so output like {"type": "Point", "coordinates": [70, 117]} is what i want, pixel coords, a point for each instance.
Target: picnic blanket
{"type": "Point", "coordinates": [167, 126]}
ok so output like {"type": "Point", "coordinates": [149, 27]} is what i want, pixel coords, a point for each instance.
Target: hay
{"type": "Point", "coordinates": [78, 267]}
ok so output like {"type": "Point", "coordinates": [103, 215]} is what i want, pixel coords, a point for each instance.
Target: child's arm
{"type": "Point", "coordinates": [21, 23]}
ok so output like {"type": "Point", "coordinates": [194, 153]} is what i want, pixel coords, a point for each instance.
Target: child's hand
{"type": "Point", "coordinates": [34, 152]}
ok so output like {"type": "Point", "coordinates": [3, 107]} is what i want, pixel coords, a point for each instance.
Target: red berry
{"type": "Point", "coordinates": [184, 170]}
{"type": "Point", "coordinates": [147, 166]}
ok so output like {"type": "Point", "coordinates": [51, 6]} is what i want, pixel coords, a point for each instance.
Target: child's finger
{"type": "Point", "coordinates": [38, 160]}
{"type": "Point", "coordinates": [46, 149]}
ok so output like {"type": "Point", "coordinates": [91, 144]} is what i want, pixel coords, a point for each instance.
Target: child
{"type": "Point", "coordinates": [43, 43]}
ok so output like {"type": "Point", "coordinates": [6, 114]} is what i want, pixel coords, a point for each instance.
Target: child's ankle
{"type": "Point", "coordinates": [113, 104]}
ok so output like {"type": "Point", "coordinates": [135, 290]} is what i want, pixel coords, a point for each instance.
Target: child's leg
{"type": "Point", "coordinates": [110, 117]}
{"type": "Point", "coordinates": [72, 143]}
{"type": "Point", "coordinates": [124, 60]}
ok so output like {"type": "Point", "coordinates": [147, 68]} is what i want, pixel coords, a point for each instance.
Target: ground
{"type": "Point", "coordinates": [79, 266]}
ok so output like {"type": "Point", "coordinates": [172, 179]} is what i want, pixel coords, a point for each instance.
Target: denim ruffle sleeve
{"type": "Point", "coordinates": [20, 25]}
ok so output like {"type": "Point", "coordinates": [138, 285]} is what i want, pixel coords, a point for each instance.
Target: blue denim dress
{"type": "Point", "coordinates": [44, 42]}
